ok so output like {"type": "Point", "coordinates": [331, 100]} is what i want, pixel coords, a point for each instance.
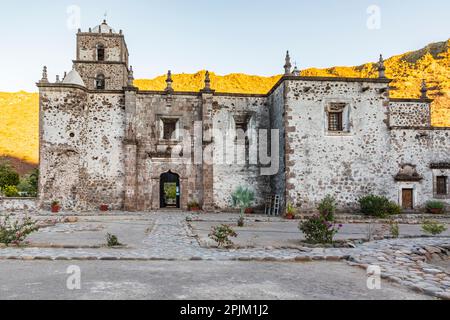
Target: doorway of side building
{"type": "Point", "coordinates": [408, 199]}
{"type": "Point", "coordinates": [170, 190]}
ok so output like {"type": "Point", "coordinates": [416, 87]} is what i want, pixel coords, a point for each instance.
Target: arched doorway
{"type": "Point", "coordinates": [169, 187]}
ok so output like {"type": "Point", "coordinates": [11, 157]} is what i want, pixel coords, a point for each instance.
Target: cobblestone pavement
{"type": "Point", "coordinates": [401, 260]}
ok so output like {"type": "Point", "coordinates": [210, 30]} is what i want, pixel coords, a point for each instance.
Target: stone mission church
{"type": "Point", "coordinates": [104, 141]}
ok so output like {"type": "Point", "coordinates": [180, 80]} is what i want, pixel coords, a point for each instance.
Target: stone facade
{"type": "Point", "coordinates": [104, 141]}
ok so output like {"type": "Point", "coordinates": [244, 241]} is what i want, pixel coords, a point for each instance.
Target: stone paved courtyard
{"type": "Point", "coordinates": [175, 236]}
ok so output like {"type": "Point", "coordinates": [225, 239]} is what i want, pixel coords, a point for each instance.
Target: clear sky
{"type": "Point", "coordinates": [224, 36]}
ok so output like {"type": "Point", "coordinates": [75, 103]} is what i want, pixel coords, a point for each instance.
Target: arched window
{"type": "Point", "coordinates": [100, 82]}
{"type": "Point", "coordinates": [100, 52]}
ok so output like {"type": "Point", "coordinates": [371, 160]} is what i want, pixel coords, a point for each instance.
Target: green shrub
{"type": "Point", "coordinates": [378, 206]}
{"type": "Point", "coordinates": [433, 227]}
{"type": "Point", "coordinates": [394, 229]}
{"type": "Point", "coordinates": [327, 208]}
{"type": "Point", "coordinates": [221, 234]}
{"type": "Point", "coordinates": [435, 205]}
{"type": "Point", "coordinates": [10, 191]}
{"type": "Point", "coordinates": [242, 198]}
{"type": "Point", "coordinates": [16, 231]}
{"type": "Point", "coordinates": [112, 240]}
{"type": "Point", "coordinates": [193, 205]}
{"type": "Point", "coordinates": [318, 230]}
{"type": "Point", "coordinates": [28, 186]}
{"type": "Point", "coordinates": [8, 177]}
{"type": "Point", "coordinates": [393, 209]}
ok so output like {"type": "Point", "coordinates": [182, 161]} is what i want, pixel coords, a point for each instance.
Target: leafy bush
{"type": "Point", "coordinates": [378, 206]}
{"type": "Point", "coordinates": [28, 186]}
{"type": "Point", "coordinates": [16, 231]}
{"type": "Point", "coordinates": [327, 208]}
{"type": "Point", "coordinates": [221, 234]}
{"type": "Point", "coordinates": [318, 230]}
{"type": "Point", "coordinates": [10, 191]}
{"type": "Point", "coordinates": [433, 227]}
{"type": "Point", "coordinates": [8, 177]}
{"type": "Point", "coordinates": [193, 205]}
{"type": "Point", "coordinates": [435, 205]}
{"type": "Point", "coordinates": [242, 198]}
{"type": "Point", "coordinates": [112, 240]}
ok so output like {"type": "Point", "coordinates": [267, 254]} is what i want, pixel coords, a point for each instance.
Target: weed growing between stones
{"type": "Point", "coordinates": [221, 234]}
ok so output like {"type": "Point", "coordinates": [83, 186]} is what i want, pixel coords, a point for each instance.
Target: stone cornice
{"type": "Point", "coordinates": [411, 100]}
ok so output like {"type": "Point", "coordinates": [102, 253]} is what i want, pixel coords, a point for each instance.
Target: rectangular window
{"type": "Point", "coordinates": [335, 121]}
{"type": "Point", "coordinates": [169, 129]}
{"type": "Point", "coordinates": [441, 185]}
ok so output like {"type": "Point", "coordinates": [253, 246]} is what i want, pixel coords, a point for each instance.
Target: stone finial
{"type": "Point", "coordinates": [57, 79]}
{"type": "Point", "coordinates": [90, 30]}
{"type": "Point", "coordinates": [79, 30]}
{"type": "Point", "coordinates": [296, 71]}
{"type": "Point", "coordinates": [65, 75]}
{"type": "Point", "coordinates": [424, 90]}
{"type": "Point", "coordinates": [207, 82]}
{"type": "Point", "coordinates": [130, 77]}
{"type": "Point", "coordinates": [169, 82]}
{"type": "Point", "coordinates": [44, 75]}
{"type": "Point", "coordinates": [381, 68]}
{"type": "Point", "coordinates": [288, 65]}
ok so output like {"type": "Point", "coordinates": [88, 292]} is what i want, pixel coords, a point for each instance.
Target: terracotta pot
{"type": "Point", "coordinates": [104, 207]}
{"type": "Point", "coordinates": [55, 209]}
{"type": "Point", "coordinates": [249, 211]}
{"type": "Point", "coordinates": [194, 209]}
{"type": "Point", "coordinates": [290, 216]}
{"type": "Point", "coordinates": [436, 211]}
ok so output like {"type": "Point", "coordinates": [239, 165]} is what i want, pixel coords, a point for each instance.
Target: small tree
{"type": "Point", "coordinates": [242, 198]}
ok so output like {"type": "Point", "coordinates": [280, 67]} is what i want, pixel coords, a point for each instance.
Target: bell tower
{"type": "Point", "coordinates": [102, 58]}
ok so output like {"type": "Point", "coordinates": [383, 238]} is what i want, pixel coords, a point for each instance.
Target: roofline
{"type": "Point", "coordinates": [411, 100]}
{"type": "Point", "coordinates": [339, 79]}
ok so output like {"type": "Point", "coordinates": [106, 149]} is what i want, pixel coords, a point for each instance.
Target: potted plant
{"type": "Point", "coordinates": [249, 211]}
{"type": "Point", "coordinates": [435, 207]}
{"type": "Point", "coordinates": [194, 206]}
{"type": "Point", "coordinates": [104, 207]}
{"type": "Point", "coordinates": [290, 212]}
{"type": "Point", "coordinates": [55, 206]}
{"type": "Point", "coordinates": [242, 198]}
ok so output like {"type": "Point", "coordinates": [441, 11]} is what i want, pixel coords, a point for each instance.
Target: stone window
{"type": "Point", "coordinates": [100, 83]}
{"type": "Point", "coordinates": [169, 128]}
{"type": "Point", "coordinates": [335, 121]}
{"type": "Point", "coordinates": [337, 118]}
{"type": "Point", "coordinates": [100, 52]}
{"type": "Point", "coordinates": [441, 185]}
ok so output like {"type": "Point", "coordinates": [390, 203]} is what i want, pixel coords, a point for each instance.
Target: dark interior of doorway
{"type": "Point", "coordinates": [170, 190]}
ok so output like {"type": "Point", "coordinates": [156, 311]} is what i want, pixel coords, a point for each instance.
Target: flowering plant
{"type": "Point", "coordinates": [317, 229]}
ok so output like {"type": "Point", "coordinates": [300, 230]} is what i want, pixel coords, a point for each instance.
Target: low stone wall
{"type": "Point", "coordinates": [18, 204]}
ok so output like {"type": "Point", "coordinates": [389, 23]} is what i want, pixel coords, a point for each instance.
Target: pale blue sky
{"type": "Point", "coordinates": [225, 36]}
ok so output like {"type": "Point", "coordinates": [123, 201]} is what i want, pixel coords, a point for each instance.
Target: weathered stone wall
{"type": "Point", "coordinates": [420, 148]}
{"type": "Point", "coordinates": [81, 148]}
{"type": "Point", "coordinates": [18, 204]}
{"type": "Point", "coordinates": [277, 121]}
{"type": "Point", "coordinates": [154, 155]}
{"type": "Point", "coordinates": [114, 44]}
{"type": "Point", "coordinates": [345, 165]}
{"type": "Point", "coordinates": [115, 74]}
{"type": "Point", "coordinates": [409, 113]}
{"type": "Point", "coordinates": [231, 168]}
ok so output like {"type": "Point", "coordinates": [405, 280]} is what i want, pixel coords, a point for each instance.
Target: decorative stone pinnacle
{"type": "Point", "coordinates": [44, 75]}
{"type": "Point", "coordinates": [130, 77]}
{"type": "Point", "coordinates": [207, 81]}
{"type": "Point", "coordinates": [57, 79]}
{"type": "Point", "coordinates": [288, 65]}
{"type": "Point", "coordinates": [169, 81]}
{"type": "Point", "coordinates": [65, 75]}
{"type": "Point", "coordinates": [296, 71]}
{"type": "Point", "coordinates": [381, 68]}
{"type": "Point", "coordinates": [424, 90]}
